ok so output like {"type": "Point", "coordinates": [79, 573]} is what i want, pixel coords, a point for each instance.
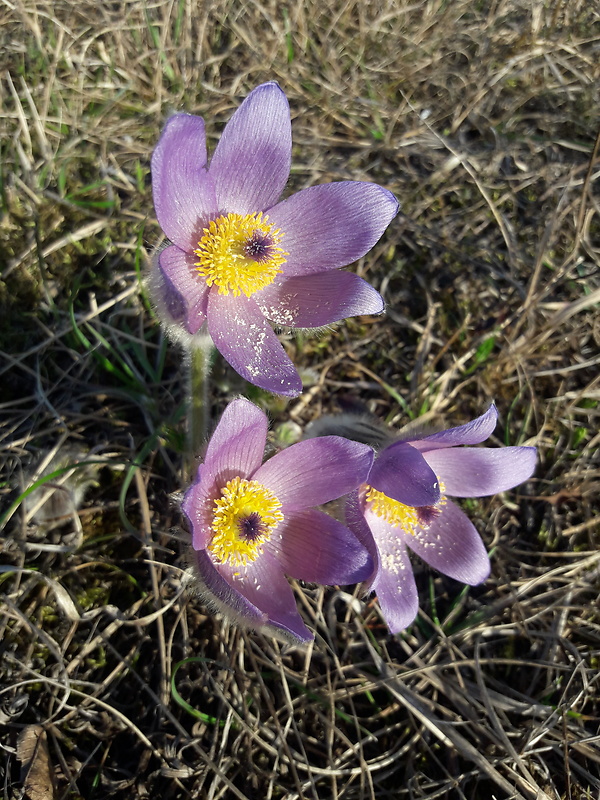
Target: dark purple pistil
{"type": "Point", "coordinates": [259, 247]}
{"type": "Point", "coordinates": [252, 527]}
{"type": "Point", "coordinates": [426, 515]}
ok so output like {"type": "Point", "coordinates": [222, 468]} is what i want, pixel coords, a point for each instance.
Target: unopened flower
{"type": "Point", "coordinates": [253, 523]}
{"type": "Point", "coordinates": [239, 258]}
{"type": "Point", "coordinates": [439, 532]}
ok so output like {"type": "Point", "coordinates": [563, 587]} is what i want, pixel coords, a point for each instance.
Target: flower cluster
{"type": "Point", "coordinates": [254, 523]}
{"type": "Point", "coordinates": [239, 259]}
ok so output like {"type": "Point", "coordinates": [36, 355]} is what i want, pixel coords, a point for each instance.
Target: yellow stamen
{"type": "Point", "coordinates": [244, 518]}
{"type": "Point", "coordinates": [409, 518]}
{"type": "Point", "coordinates": [240, 253]}
{"type": "Point", "coordinates": [392, 511]}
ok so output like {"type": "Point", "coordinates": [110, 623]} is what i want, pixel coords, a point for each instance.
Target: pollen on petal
{"type": "Point", "coordinates": [243, 519]}
{"type": "Point", "coordinates": [240, 253]}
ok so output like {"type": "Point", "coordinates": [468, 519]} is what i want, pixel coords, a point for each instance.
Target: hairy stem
{"type": "Point", "coordinates": [199, 357]}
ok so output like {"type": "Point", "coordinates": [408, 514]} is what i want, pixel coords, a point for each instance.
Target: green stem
{"type": "Point", "coordinates": [199, 407]}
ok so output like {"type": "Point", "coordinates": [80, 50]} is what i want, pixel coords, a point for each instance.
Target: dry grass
{"type": "Point", "coordinates": [482, 118]}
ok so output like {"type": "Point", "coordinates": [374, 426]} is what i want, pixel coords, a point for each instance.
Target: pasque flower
{"type": "Point", "coordinates": [239, 258]}
{"type": "Point", "coordinates": [391, 512]}
{"type": "Point", "coordinates": [253, 523]}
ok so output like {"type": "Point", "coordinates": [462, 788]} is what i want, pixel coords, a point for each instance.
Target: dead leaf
{"type": "Point", "coordinates": [36, 770]}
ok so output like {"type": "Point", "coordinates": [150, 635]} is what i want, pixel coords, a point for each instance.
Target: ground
{"type": "Point", "coordinates": [116, 681]}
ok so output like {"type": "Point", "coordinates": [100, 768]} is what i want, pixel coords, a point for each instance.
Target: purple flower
{"type": "Point", "coordinates": [253, 523]}
{"type": "Point", "coordinates": [240, 258]}
{"type": "Point", "coordinates": [391, 511]}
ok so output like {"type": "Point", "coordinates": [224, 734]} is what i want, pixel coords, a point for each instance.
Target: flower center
{"type": "Point", "coordinates": [243, 520]}
{"type": "Point", "coordinates": [409, 518]}
{"type": "Point", "coordinates": [240, 253]}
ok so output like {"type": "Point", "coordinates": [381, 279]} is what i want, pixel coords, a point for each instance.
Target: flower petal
{"type": "Point", "coordinates": [315, 300]}
{"type": "Point", "coordinates": [474, 432]}
{"type": "Point", "coordinates": [479, 471]}
{"type": "Point", "coordinates": [452, 545]}
{"type": "Point", "coordinates": [314, 547]}
{"type": "Point", "coordinates": [402, 473]}
{"type": "Point", "coordinates": [251, 163]}
{"type": "Point", "coordinates": [185, 294]}
{"type": "Point", "coordinates": [394, 582]}
{"type": "Point", "coordinates": [184, 196]}
{"type": "Point", "coordinates": [315, 471]}
{"type": "Point", "coordinates": [167, 299]}
{"type": "Point", "coordinates": [198, 503]}
{"type": "Point", "coordinates": [332, 225]}
{"type": "Point", "coordinates": [219, 593]}
{"type": "Point", "coordinates": [238, 443]}
{"type": "Point", "coordinates": [264, 585]}
{"type": "Point", "coordinates": [246, 340]}
{"type": "Point", "coordinates": [355, 520]}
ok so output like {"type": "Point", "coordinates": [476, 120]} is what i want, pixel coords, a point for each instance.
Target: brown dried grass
{"type": "Point", "coordinates": [481, 118]}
